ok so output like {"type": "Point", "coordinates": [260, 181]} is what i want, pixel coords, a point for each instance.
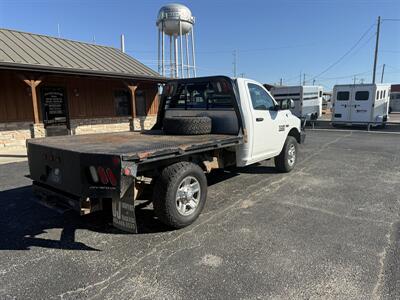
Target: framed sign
{"type": "Point", "coordinates": [54, 106]}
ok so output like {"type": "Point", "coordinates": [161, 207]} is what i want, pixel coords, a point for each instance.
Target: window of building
{"type": "Point", "coordinates": [260, 98]}
{"type": "Point", "coordinates": [377, 95]}
{"type": "Point", "coordinates": [381, 95]}
{"type": "Point", "coordinates": [343, 96]}
{"type": "Point", "coordinates": [122, 103]}
{"type": "Point", "coordinates": [140, 100]}
{"type": "Point", "coordinates": [384, 93]}
{"type": "Point", "coordinates": [362, 95]}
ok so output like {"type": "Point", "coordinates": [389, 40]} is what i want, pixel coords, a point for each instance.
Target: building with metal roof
{"type": "Point", "coordinates": [36, 52]}
{"type": "Point", "coordinates": [53, 86]}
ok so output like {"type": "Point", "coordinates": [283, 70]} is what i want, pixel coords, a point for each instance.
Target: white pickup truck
{"type": "Point", "coordinates": [203, 124]}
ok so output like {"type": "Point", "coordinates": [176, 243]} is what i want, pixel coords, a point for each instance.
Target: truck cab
{"type": "Point", "coordinates": [267, 124]}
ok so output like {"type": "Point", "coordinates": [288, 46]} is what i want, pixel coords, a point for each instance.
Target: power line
{"type": "Point", "coordinates": [347, 53]}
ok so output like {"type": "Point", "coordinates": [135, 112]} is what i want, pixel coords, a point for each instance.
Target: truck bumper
{"type": "Point", "coordinates": [55, 200]}
{"type": "Point", "coordinates": [123, 208]}
{"type": "Point", "coordinates": [302, 137]}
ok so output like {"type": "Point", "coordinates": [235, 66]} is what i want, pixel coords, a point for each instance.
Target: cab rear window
{"type": "Point", "coordinates": [200, 95]}
{"type": "Point", "coordinates": [343, 96]}
{"type": "Point", "coordinates": [362, 95]}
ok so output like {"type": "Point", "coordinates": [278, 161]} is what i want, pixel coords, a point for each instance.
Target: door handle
{"type": "Point", "coordinates": [259, 119]}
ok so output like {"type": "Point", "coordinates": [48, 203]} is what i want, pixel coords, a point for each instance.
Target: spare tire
{"type": "Point", "coordinates": [187, 125]}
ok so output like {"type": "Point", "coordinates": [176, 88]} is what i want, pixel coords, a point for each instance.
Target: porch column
{"type": "Point", "coordinates": [37, 129]}
{"type": "Point", "coordinates": [132, 89]}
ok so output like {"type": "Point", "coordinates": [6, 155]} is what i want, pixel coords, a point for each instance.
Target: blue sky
{"type": "Point", "coordinates": [273, 39]}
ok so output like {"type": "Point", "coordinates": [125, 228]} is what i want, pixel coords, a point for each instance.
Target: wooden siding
{"type": "Point", "coordinates": [15, 99]}
{"type": "Point", "coordinates": [94, 98]}
{"type": "Point", "coordinates": [87, 97]}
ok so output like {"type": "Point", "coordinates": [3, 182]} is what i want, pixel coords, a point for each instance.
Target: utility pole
{"type": "Point", "coordinates": [354, 81]}
{"type": "Point", "coordinates": [234, 63]}
{"type": "Point", "coordinates": [300, 78]}
{"type": "Point", "coordinates": [304, 79]}
{"type": "Point", "coordinates": [383, 72]}
{"type": "Point", "coordinates": [313, 82]}
{"type": "Point", "coordinates": [58, 30]}
{"type": "Point", "coordinates": [376, 48]}
{"type": "Point", "coordinates": [280, 82]}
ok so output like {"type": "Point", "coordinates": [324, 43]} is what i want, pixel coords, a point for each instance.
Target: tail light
{"type": "Point", "coordinates": [94, 175]}
{"type": "Point", "coordinates": [111, 177]}
{"type": "Point", "coordinates": [102, 175]}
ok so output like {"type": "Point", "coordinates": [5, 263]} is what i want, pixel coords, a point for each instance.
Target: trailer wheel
{"type": "Point", "coordinates": [187, 125]}
{"type": "Point", "coordinates": [180, 194]}
{"type": "Point", "coordinates": [287, 159]}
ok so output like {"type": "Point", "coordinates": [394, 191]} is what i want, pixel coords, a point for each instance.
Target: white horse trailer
{"type": "Point", "coordinates": [360, 104]}
{"type": "Point", "coordinates": [394, 104]}
{"type": "Point", "coordinates": [307, 99]}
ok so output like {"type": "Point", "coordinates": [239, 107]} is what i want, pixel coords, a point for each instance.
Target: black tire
{"type": "Point", "coordinates": [283, 161]}
{"type": "Point", "coordinates": [165, 194]}
{"type": "Point", "coordinates": [187, 125]}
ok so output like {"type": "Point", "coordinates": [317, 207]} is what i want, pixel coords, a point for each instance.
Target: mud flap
{"type": "Point", "coordinates": [123, 211]}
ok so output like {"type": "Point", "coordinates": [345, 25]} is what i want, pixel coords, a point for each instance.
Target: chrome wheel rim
{"type": "Point", "coordinates": [291, 155]}
{"type": "Point", "coordinates": [188, 196]}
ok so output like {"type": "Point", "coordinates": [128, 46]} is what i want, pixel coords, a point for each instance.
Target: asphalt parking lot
{"type": "Point", "coordinates": [329, 229]}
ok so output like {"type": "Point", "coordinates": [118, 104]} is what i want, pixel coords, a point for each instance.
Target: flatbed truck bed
{"type": "Point", "coordinates": [138, 146]}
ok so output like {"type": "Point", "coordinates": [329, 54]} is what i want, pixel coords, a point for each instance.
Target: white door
{"type": "Point", "coordinates": [342, 105]}
{"type": "Point", "coordinates": [268, 123]}
{"type": "Point", "coordinates": [361, 104]}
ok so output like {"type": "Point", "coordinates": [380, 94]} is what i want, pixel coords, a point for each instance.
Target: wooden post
{"type": "Point", "coordinates": [35, 104]}
{"type": "Point", "coordinates": [133, 88]}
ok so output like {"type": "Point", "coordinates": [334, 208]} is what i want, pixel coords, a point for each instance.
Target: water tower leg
{"type": "Point", "coordinates": [159, 52]}
{"type": "Point", "coordinates": [162, 53]}
{"type": "Point", "coordinates": [180, 39]}
{"type": "Point", "coordinates": [187, 55]}
{"type": "Point", "coordinates": [176, 56]}
{"type": "Point", "coordinates": [171, 71]}
{"type": "Point", "coordinates": [193, 54]}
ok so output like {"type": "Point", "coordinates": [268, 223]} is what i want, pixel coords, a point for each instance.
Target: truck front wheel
{"type": "Point", "coordinates": [180, 194]}
{"type": "Point", "coordinates": [287, 159]}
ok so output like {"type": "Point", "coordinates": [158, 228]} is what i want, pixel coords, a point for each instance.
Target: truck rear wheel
{"type": "Point", "coordinates": [287, 159]}
{"type": "Point", "coordinates": [180, 194]}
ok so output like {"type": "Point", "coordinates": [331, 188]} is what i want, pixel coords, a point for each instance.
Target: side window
{"type": "Point", "coordinates": [122, 103]}
{"type": "Point", "coordinates": [140, 100]}
{"type": "Point", "coordinates": [377, 95]}
{"type": "Point", "coordinates": [362, 95]}
{"type": "Point", "coordinates": [343, 96]}
{"type": "Point", "coordinates": [320, 93]}
{"type": "Point", "coordinates": [260, 98]}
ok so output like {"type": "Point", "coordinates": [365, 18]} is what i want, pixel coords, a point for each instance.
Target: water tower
{"type": "Point", "coordinates": [176, 21]}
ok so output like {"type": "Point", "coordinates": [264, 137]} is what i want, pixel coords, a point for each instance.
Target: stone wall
{"type": "Point", "coordinates": [14, 134]}
{"type": "Point", "coordinates": [99, 125]}
{"type": "Point", "coordinates": [143, 123]}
